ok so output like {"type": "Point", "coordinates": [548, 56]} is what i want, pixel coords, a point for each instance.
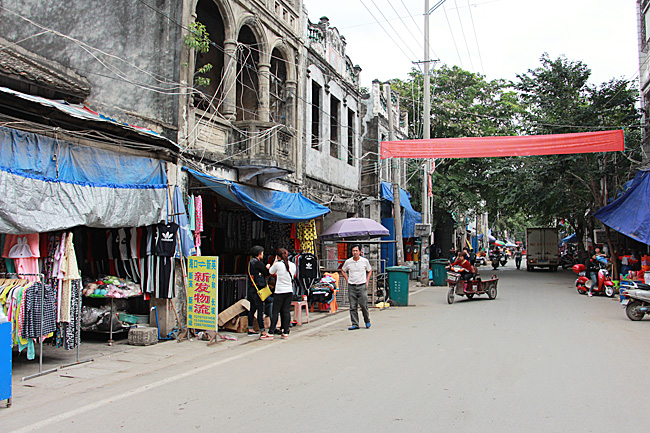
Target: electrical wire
{"type": "Point", "coordinates": [452, 36]}
{"type": "Point", "coordinates": [471, 15]}
{"type": "Point", "coordinates": [462, 29]}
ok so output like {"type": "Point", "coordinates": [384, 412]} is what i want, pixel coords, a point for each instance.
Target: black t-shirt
{"type": "Point", "coordinates": [258, 271]}
{"type": "Point", "coordinates": [166, 239]}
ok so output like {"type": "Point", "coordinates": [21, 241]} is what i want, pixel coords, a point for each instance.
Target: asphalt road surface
{"type": "Point", "coordinates": [538, 358]}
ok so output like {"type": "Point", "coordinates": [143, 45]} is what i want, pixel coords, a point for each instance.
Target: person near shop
{"type": "Point", "coordinates": [258, 271]}
{"type": "Point", "coordinates": [452, 255]}
{"type": "Point", "coordinates": [285, 272]}
{"type": "Point", "coordinates": [518, 257]}
{"type": "Point", "coordinates": [595, 261]}
{"type": "Point", "coordinates": [357, 270]}
{"type": "Point", "coordinates": [466, 272]}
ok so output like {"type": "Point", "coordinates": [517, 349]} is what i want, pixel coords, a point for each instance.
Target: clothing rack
{"type": "Point", "coordinates": [41, 277]}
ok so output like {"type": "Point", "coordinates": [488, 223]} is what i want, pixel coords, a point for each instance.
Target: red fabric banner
{"type": "Point", "coordinates": [485, 147]}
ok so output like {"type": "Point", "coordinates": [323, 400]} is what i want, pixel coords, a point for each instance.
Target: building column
{"type": "Point", "coordinates": [229, 109]}
{"type": "Point", "coordinates": [263, 77]}
{"type": "Point", "coordinates": [290, 102]}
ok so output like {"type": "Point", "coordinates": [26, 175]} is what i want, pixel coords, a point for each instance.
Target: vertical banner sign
{"type": "Point", "coordinates": [202, 278]}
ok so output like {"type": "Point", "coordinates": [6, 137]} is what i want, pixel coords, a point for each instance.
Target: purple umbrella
{"type": "Point", "coordinates": [354, 227]}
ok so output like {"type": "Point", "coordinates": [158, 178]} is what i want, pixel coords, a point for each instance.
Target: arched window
{"type": "Point", "coordinates": [277, 80]}
{"type": "Point", "coordinates": [208, 14]}
{"type": "Point", "coordinates": [247, 79]}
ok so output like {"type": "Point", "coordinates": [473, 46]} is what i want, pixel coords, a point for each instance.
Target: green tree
{"type": "Point", "coordinates": [558, 99]}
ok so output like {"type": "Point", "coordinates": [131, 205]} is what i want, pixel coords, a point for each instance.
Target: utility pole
{"type": "Point", "coordinates": [397, 209]}
{"type": "Point", "coordinates": [425, 241]}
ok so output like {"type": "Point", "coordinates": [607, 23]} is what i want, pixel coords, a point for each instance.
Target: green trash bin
{"type": "Point", "coordinates": [439, 271]}
{"type": "Point", "coordinates": [398, 284]}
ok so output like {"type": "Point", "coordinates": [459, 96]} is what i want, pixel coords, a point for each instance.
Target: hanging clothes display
{"type": "Point", "coordinates": [164, 249]}
{"type": "Point", "coordinates": [306, 234]}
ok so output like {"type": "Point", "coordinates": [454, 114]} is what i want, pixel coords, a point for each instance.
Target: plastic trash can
{"type": "Point", "coordinates": [398, 284]}
{"type": "Point", "coordinates": [438, 267]}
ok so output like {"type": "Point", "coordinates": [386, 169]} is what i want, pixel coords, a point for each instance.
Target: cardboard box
{"type": "Point", "coordinates": [233, 311]}
{"type": "Point", "coordinates": [236, 324]}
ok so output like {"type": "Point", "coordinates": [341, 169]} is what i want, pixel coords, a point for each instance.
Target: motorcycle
{"type": "Point", "coordinates": [504, 259]}
{"type": "Point", "coordinates": [567, 260]}
{"type": "Point", "coordinates": [636, 299]}
{"type": "Point", "coordinates": [495, 259]}
{"type": "Point", "coordinates": [583, 283]}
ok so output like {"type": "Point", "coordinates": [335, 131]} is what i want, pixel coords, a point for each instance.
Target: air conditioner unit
{"type": "Point", "coordinates": [422, 229]}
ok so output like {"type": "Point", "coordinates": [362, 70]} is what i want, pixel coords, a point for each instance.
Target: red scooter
{"type": "Point", "coordinates": [605, 284]}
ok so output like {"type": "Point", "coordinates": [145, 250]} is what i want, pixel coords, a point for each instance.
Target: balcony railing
{"type": "Point", "coordinates": [263, 143]}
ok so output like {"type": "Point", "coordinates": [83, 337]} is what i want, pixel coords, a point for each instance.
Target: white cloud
{"type": "Point", "coordinates": [511, 34]}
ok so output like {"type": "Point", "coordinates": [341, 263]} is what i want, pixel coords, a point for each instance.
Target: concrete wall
{"type": "Point", "coordinates": [128, 52]}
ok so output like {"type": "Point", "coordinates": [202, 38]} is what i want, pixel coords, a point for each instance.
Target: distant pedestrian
{"type": "Point", "coordinates": [518, 257]}
{"type": "Point", "coordinates": [357, 270]}
{"type": "Point", "coordinates": [284, 271]}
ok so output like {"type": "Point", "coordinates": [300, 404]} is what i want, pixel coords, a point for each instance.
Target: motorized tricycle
{"type": "Point", "coordinates": [469, 287]}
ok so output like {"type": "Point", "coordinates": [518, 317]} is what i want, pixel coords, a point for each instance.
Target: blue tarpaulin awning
{"type": "Point", "coordinates": [630, 213]}
{"type": "Point", "coordinates": [270, 205]}
{"type": "Point", "coordinates": [411, 216]}
{"type": "Point", "coordinates": [571, 239]}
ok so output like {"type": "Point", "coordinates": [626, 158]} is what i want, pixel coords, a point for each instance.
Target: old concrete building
{"type": "Point", "coordinates": [330, 133]}
{"type": "Point", "coordinates": [643, 19]}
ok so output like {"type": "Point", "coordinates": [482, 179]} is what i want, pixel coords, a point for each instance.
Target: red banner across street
{"type": "Point", "coordinates": [485, 147]}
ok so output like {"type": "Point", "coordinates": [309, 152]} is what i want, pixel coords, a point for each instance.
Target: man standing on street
{"type": "Point", "coordinates": [356, 271]}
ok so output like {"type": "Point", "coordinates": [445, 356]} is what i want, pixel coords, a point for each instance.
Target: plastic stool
{"type": "Point", "coordinates": [297, 311]}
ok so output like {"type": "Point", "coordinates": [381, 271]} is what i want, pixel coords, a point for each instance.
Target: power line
{"type": "Point", "coordinates": [462, 29]}
{"type": "Point", "coordinates": [386, 31]}
{"type": "Point", "coordinates": [471, 15]}
{"type": "Point", "coordinates": [452, 37]}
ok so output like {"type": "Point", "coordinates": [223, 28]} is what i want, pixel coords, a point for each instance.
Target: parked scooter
{"type": "Point", "coordinates": [636, 299]}
{"type": "Point", "coordinates": [583, 283]}
{"type": "Point", "coordinates": [567, 260]}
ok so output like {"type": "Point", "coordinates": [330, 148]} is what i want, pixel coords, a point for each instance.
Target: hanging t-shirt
{"type": "Point", "coordinates": [166, 239]}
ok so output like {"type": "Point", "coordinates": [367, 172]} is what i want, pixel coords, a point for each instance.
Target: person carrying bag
{"type": "Point", "coordinates": [257, 291]}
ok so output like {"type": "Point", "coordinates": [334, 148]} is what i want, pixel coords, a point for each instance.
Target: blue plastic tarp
{"type": "Point", "coordinates": [411, 216]}
{"type": "Point", "coordinates": [571, 239]}
{"type": "Point", "coordinates": [270, 205]}
{"type": "Point", "coordinates": [630, 213]}
{"type": "Point", "coordinates": [49, 184]}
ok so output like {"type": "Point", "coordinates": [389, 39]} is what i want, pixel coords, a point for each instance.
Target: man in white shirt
{"type": "Point", "coordinates": [356, 271]}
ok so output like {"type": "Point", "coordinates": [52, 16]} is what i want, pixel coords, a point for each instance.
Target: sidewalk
{"type": "Point", "coordinates": [115, 362]}
{"type": "Point", "coordinates": [120, 362]}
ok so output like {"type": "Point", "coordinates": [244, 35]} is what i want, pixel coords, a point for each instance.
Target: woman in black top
{"type": "Point", "coordinates": [258, 271]}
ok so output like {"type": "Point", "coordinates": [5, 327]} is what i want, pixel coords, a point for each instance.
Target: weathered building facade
{"type": "Point", "coordinates": [643, 20]}
{"type": "Point", "coordinates": [330, 134]}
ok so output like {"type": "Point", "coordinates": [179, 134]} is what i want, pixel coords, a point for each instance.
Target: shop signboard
{"type": "Point", "coordinates": [202, 278]}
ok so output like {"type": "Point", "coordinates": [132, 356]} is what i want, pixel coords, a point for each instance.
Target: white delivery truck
{"type": "Point", "coordinates": [542, 249]}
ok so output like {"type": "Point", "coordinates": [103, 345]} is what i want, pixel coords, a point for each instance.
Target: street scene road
{"type": "Point", "coordinates": [538, 358]}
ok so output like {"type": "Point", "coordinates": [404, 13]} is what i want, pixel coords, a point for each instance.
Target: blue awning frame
{"type": "Point", "coordinates": [268, 204]}
{"type": "Point", "coordinates": [411, 216]}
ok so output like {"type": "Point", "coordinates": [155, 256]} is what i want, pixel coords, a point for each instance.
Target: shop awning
{"type": "Point", "coordinates": [270, 205]}
{"type": "Point", "coordinates": [411, 216]}
{"type": "Point", "coordinates": [48, 184]}
{"type": "Point", "coordinates": [571, 239]}
{"type": "Point", "coordinates": [480, 147]}
{"type": "Point", "coordinates": [630, 213]}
